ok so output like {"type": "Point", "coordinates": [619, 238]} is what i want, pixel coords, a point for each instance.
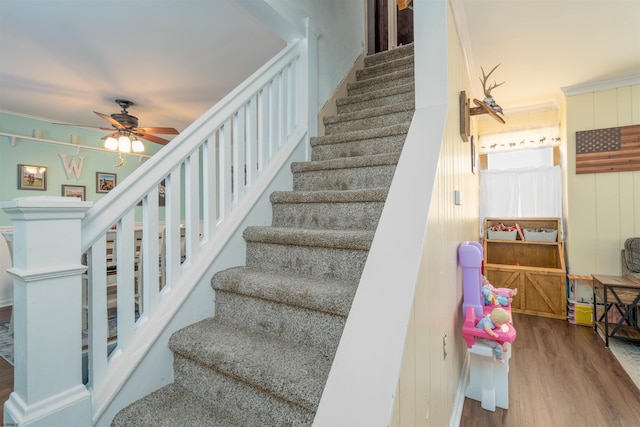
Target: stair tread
{"type": "Point", "coordinates": [285, 369]}
{"type": "Point", "coordinates": [400, 62]}
{"type": "Point", "coordinates": [171, 406]}
{"type": "Point", "coordinates": [346, 162]}
{"type": "Point", "coordinates": [370, 113]}
{"type": "Point", "coordinates": [332, 296]}
{"type": "Point", "coordinates": [376, 94]}
{"type": "Point", "coordinates": [389, 55]}
{"type": "Point", "coordinates": [331, 196]}
{"type": "Point", "coordinates": [358, 135]}
{"type": "Point", "coordinates": [334, 239]}
{"type": "Point", "coordinates": [372, 82]}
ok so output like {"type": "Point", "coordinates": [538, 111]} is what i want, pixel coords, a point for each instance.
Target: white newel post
{"type": "Point", "coordinates": [47, 272]}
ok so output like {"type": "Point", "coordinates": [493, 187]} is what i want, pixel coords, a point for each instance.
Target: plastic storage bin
{"type": "Point", "coordinates": [501, 235]}
{"type": "Point", "coordinates": [584, 314]}
{"type": "Point", "coordinates": [541, 234]}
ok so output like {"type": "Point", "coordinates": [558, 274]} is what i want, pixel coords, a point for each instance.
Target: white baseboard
{"type": "Point", "coordinates": [458, 404]}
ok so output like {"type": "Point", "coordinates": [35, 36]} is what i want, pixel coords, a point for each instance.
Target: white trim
{"type": "Point", "coordinates": [458, 404]}
{"type": "Point", "coordinates": [601, 85]}
{"type": "Point", "coordinates": [462, 27]}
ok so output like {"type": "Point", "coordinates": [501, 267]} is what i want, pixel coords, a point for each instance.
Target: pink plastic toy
{"type": "Point", "coordinates": [470, 258]}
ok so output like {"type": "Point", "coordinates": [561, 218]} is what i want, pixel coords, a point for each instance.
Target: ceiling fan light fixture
{"type": "Point", "coordinates": [111, 143]}
{"type": "Point", "coordinates": [124, 144]}
{"type": "Point", "coordinates": [137, 146]}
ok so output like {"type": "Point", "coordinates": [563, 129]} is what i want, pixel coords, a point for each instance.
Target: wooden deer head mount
{"type": "Point", "coordinates": [483, 80]}
{"type": "Point", "coordinates": [487, 106]}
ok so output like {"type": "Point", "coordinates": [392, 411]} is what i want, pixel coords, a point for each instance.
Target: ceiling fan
{"type": "Point", "coordinates": [126, 133]}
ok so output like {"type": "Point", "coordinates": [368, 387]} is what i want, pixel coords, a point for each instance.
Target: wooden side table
{"type": "Point", "coordinates": [621, 293]}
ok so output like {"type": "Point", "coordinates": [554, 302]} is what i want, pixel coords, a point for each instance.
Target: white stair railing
{"type": "Point", "coordinates": [166, 215]}
{"type": "Point", "coordinates": [207, 171]}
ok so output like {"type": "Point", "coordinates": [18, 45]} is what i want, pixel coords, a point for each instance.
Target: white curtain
{"type": "Point", "coordinates": [517, 193]}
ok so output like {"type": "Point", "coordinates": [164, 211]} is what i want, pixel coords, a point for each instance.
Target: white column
{"type": "Point", "coordinates": [47, 274]}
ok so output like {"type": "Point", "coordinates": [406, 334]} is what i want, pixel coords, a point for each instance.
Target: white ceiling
{"type": "Point", "coordinates": [60, 60]}
{"type": "Point", "coordinates": [545, 45]}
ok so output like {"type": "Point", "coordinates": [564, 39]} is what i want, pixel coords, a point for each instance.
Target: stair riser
{"type": "Point", "coordinates": [374, 85]}
{"type": "Point", "coordinates": [376, 102]}
{"type": "Point", "coordinates": [368, 122]}
{"type": "Point", "coordinates": [384, 69]}
{"type": "Point", "coordinates": [367, 147]}
{"type": "Point", "coordinates": [344, 179]}
{"type": "Point", "coordinates": [247, 403]}
{"type": "Point", "coordinates": [336, 216]}
{"type": "Point", "coordinates": [307, 327]}
{"type": "Point", "coordinates": [307, 261]}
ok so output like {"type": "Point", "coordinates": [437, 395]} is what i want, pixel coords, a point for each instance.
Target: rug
{"type": "Point", "coordinates": [6, 339]}
{"type": "Point", "coordinates": [628, 354]}
{"type": "Point", "coordinates": [6, 342]}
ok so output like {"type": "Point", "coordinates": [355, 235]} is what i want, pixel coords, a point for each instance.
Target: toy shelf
{"type": "Point", "coordinates": [580, 300]}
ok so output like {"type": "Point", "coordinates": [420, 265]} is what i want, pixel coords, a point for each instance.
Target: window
{"type": "Point", "coordinates": [519, 159]}
{"type": "Point", "coordinates": [521, 179]}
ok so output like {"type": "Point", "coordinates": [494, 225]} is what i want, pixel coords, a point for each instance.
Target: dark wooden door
{"type": "Point", "coordinates": [381, 25]}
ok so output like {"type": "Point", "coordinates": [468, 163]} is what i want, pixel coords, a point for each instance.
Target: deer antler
{"type": "Point", "coordinates": [483, 80]}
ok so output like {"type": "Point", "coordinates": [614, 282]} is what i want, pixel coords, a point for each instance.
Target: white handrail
{"type": "Point", "coordinates": [139, 183]}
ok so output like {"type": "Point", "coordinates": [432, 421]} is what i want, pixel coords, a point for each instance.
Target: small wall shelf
{"type": "Point", "coordinates": [483, 108]}
{"type": "Point", "coordinates": [14, 137]}
{"type": "Point", "coordinates": [466, 111]}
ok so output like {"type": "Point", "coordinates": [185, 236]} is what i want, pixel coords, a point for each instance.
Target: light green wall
{"type": "Point", "coordinates": [43, 154]}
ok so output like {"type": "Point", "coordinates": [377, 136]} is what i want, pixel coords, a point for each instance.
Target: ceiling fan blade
{"type": "Point", "coordinates": [161, 131]}
{"type": "Point", "coordinates": [81, 126]}
{"type": "Point", "coordinates": [111, 120]}
{"type": "Point", "coordinates": [151, 138]}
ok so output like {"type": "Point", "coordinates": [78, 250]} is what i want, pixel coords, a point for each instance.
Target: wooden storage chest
{"type": "Point", "coordinates": [536, 269]}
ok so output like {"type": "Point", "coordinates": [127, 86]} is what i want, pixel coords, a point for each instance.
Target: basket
{"type": "Point", "coordinates": [540, 234]}
{"type": "Point", "coordinates": [502, 235]}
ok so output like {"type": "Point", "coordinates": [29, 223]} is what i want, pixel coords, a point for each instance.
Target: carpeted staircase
{"type": "Point", "coordinates": [264, 358]}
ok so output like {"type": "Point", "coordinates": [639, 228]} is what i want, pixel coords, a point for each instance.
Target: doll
{"type": "Point", "coordinates": [495, 319]}
{"type": "Point", "coordinates": [493, 295]}
{"type": "Point", "coordinates": [490, 298]}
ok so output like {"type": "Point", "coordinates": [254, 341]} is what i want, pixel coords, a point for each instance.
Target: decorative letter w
{"type": "Point", "coordinates": [72, 167]}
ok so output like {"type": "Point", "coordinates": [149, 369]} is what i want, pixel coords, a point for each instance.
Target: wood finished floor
{"type": "Point", "coordinates": [560, 375]}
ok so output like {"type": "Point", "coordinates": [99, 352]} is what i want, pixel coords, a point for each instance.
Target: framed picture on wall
{"type": "Point", "coordinates": [32, 177]}
{"type": "Point", "coordinates": [79, 191]}
{"type": "Point", "coordinates": [105, 182]}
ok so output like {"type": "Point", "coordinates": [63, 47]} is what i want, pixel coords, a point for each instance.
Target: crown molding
{"type": "Point", "coordinates": [533, 108]}
{"type": "Point", "coordinates": [601, 85]}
